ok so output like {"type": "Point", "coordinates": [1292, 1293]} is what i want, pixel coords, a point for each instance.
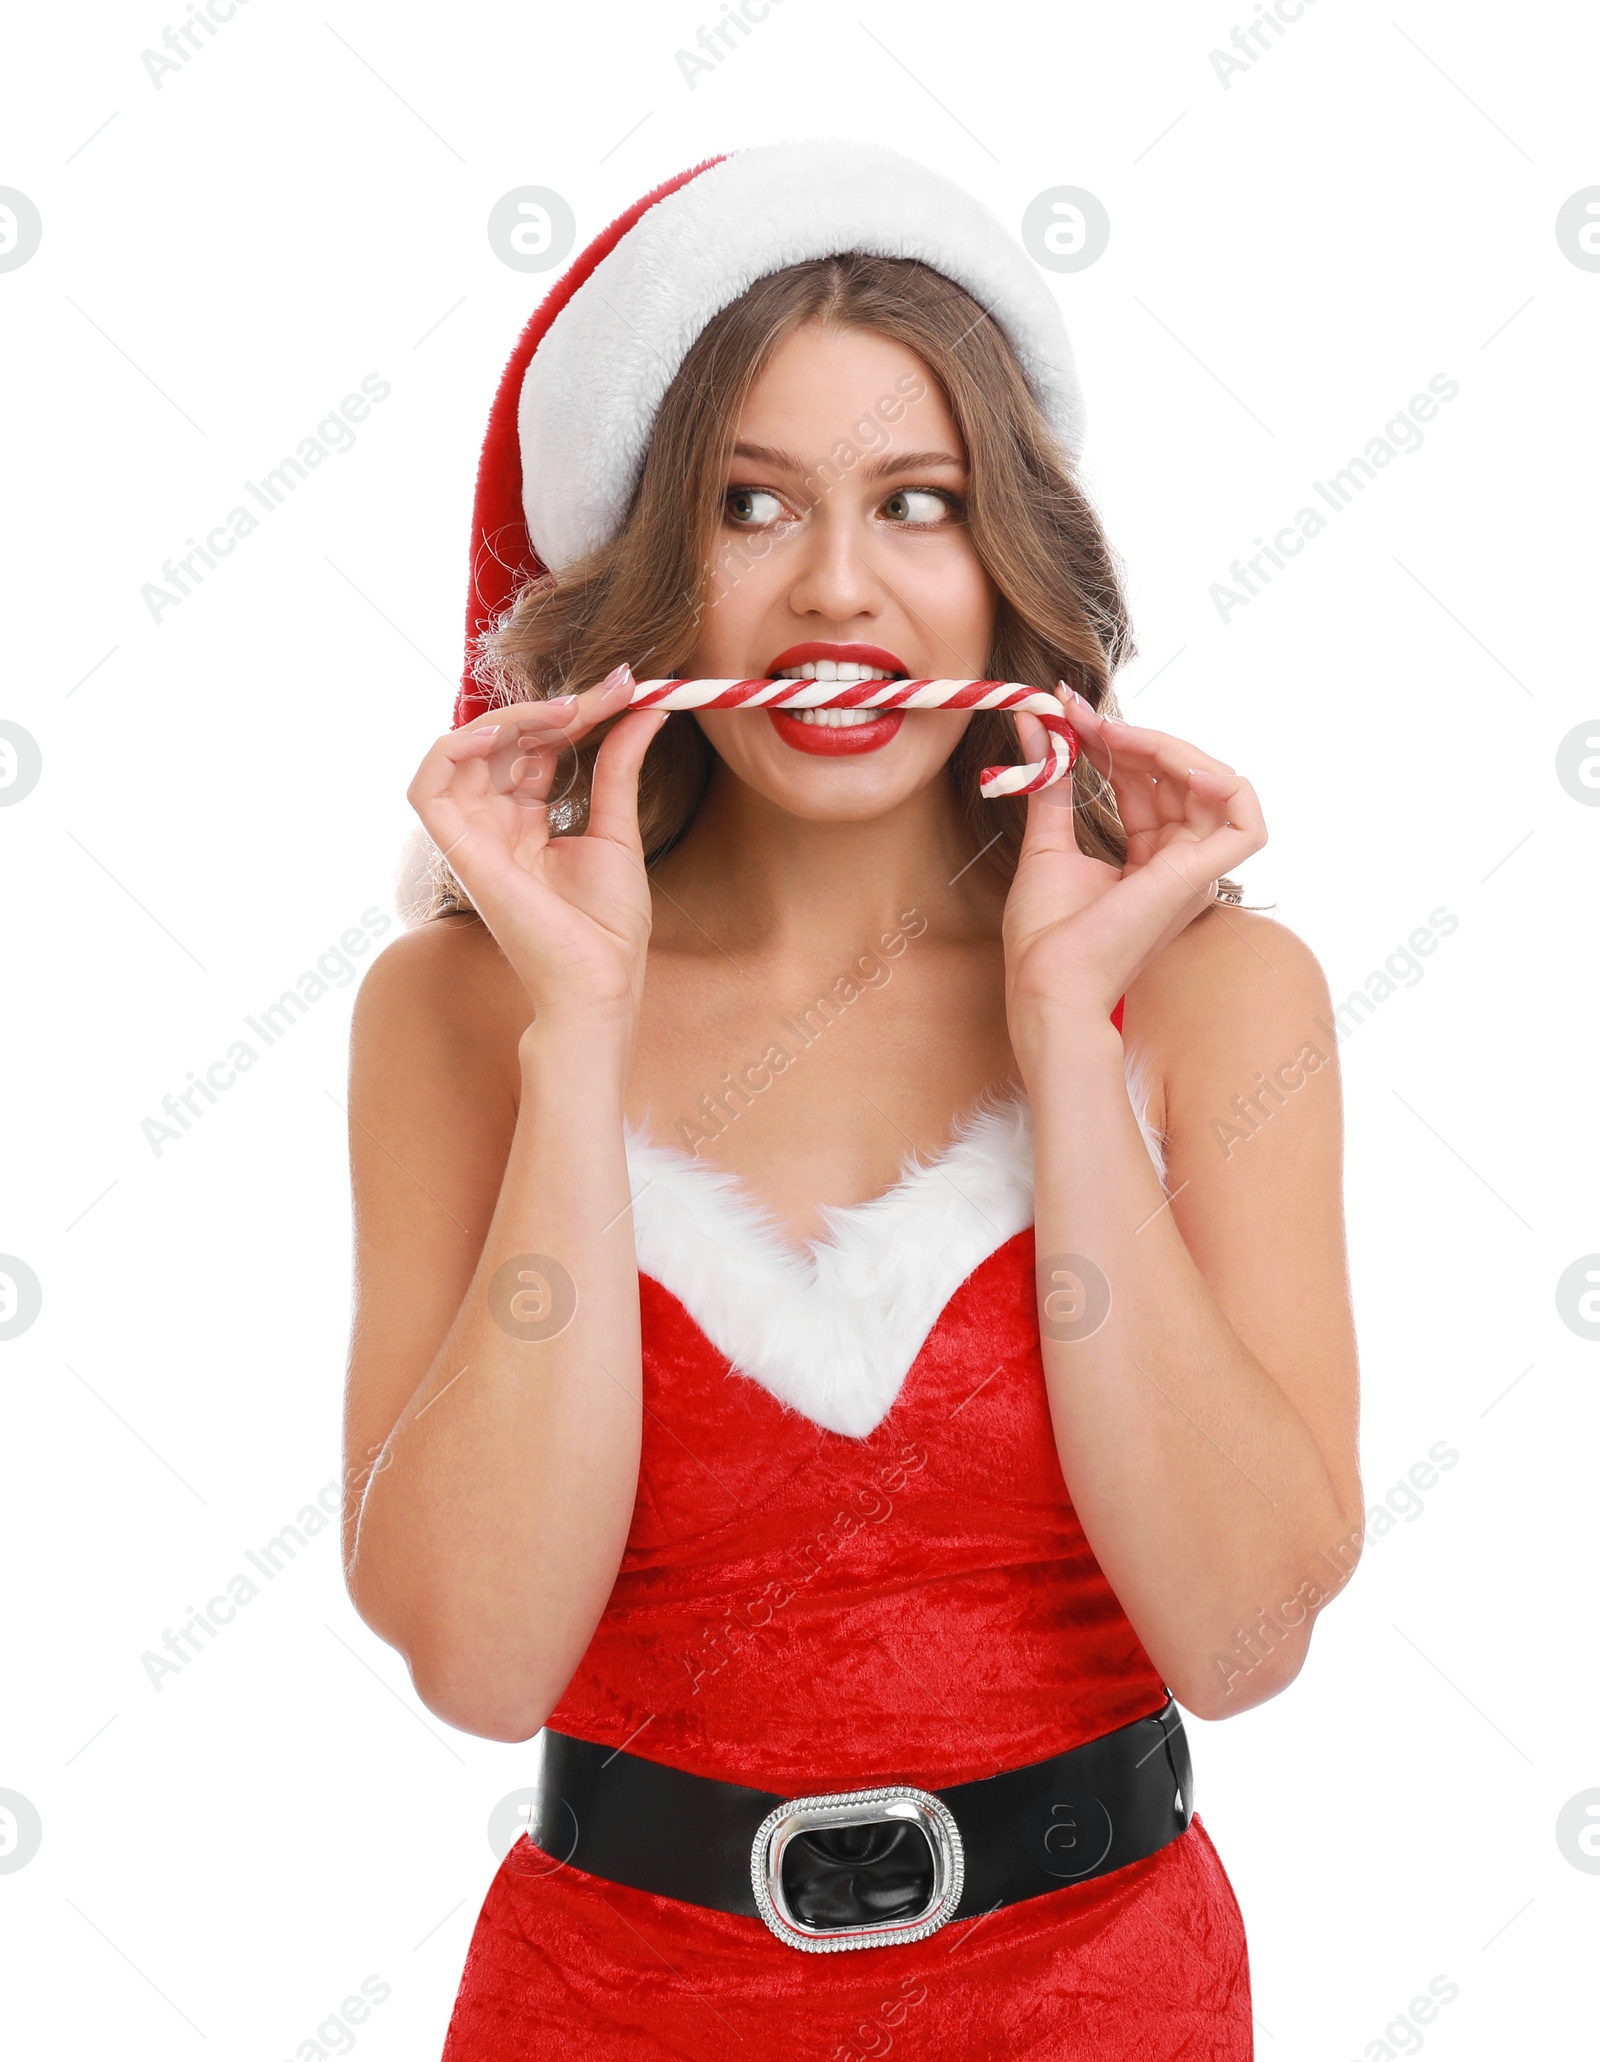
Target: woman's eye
{"type": "Point", "coordinates": [920, 507]}
{"type": "Point", "coordinates": [750, 507]}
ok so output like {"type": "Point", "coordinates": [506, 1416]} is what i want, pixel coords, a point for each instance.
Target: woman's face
{"type": "Point", "coordinates": [843, 553]}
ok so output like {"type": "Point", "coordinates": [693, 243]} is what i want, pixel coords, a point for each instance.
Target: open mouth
{"type": "Point", "coordinates": [838, 733]}
{"type": "Point", "coordinates": [847, 672]}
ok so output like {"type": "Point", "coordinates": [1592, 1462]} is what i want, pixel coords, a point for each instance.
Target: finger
{"type": "Point", "coordinates": [1087, 721]}
{"type": "Point", "coordinates": [1169, 797]}
{"type": "Point", "coordinates": [1198, 801]}
{"type": "Point", "coordinates": [606, 698]}
{"type": "Point", "coordinates": [1149, 774]}
{"type": "Point", "coordinates": [530, 781]}
{"type": "Point", "coordinates": [527, 778]}
{"type": "Point", "coordinates": [1191, 867]}
{"type": "Point", "coordinates": [452, 779]}
{"type": "Point", "coordinates": [1225, 827]}
{"type": "Point", "coordinates": [1232, 802]}
{"type": "Point", "coordinates": [1157, 768]}
{"type": "Point", "coordinates": [566, 717]}
{"type": "Point", "coordinates": [1138, 807]}
{"type": "Point", "coordinates": [537, 734]}
{"type": "Point", "coordinates": [1049, 825]}
{"type": "Point", "coordinates": [1221, 817]}
{"type": "Point", "coordinates": [454, 749]}
{"type": "Point", "coordinates": [1158, 747]}
{"type": "Point", "coordinates": [1176, 884]}
{"type": "Point", "coordinates": [614, 787]}
{"type": "Point", "coordinates": [459, 787]}
{"type": "Point", "coordinates": [1189, 791]}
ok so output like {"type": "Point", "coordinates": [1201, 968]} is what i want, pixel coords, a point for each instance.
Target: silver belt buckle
{"type": "Point", "coordinates": [894, 1801]}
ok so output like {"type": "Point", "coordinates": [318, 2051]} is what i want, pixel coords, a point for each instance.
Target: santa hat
{"type": "Point", "coordinates": [578, 400]}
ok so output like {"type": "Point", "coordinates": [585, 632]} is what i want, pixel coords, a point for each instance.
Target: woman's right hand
{"type": "Point", "coordinates": [571, 914]}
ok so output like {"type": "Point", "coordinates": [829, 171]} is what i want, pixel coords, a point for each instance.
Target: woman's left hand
{"type": "Point", "coordinates": [1077, 930]}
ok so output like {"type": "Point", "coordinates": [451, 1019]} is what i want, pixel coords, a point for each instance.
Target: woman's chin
{"type": "Point", "coordinates": [821, 789]}
{"type": "Point", "coordinates": [823, 775]}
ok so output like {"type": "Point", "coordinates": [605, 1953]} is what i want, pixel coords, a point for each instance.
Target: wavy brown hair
{"type": "Point", "coordinates": [1062, 614]}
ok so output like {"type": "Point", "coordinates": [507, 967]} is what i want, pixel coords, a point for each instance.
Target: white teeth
{"type": "Point", "coordinates": [838, 673]}
{"type": "Point", "coordinates": [841, 670]}
{"type": "Point", "coordinates": [835, 719]}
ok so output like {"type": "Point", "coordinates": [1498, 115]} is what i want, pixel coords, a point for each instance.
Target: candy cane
{"type": "Point", "coordinates": [888, 694]}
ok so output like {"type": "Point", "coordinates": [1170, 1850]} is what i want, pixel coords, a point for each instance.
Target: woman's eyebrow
{"type": "Point", "coordinates": [873, 469]}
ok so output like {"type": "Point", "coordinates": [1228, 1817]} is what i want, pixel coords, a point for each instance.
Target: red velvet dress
{"type": "Point", "coordinates": [802, 1610]}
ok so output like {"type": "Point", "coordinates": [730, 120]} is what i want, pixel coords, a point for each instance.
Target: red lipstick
{"type": "Point", "coordinates": [826, 741]}
{"type": "Point", "coordinates": [849, 654]}
{"type": "Point", "coordinates": [837, 741]}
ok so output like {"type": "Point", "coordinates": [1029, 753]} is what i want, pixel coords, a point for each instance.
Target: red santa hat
{"type": "Point", "coordinates": [577, 402]}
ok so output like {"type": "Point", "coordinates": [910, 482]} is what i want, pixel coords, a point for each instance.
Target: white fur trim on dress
{"type": "Point", "coordinates": [593, 386]}
{"type": "Point", "coordinates": [832, 1328]}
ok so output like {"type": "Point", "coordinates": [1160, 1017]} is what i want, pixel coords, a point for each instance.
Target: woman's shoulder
{"type": "Point", "coordinates": [444, 987]}
{"type": "Point", "coordinates": [1235, 989]}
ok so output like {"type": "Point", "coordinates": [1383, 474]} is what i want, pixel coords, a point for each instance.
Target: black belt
{"type": "Point", "coordinates": [865, 1868]}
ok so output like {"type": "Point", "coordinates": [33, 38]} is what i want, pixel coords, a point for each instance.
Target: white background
{"type": "Point", "coordinates": [1292, 257]}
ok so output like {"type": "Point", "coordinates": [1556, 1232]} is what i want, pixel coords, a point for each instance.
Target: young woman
{"type": "Point", "coordinates": [852, 1293]}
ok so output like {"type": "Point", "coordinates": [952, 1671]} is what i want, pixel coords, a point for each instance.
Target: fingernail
{"type": "Point", "coordinates": [617, 677]}
{"type": "Point", "coordinates": [486, 730]}
{"type": "Point", "coordinates": [560, 701]}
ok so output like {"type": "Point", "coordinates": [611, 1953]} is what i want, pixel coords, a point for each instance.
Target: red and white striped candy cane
{"type": "Point", "coordinates": [888, 694]}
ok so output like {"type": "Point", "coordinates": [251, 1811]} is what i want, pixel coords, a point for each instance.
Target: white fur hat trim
{"type": "Point", "coordinates": [596, 381]}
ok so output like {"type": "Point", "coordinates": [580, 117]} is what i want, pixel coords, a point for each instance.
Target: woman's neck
{"type": "Point", "coordinates": [750, 875]}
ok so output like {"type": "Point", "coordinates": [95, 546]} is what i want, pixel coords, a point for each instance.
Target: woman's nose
{"type": "Point", "coordinates": [836, 576]}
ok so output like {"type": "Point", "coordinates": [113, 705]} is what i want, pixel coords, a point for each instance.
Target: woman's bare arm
{"type": "Point", "coordinates": [493, 1476]}
{"type": "Point", "coordinates": [1201, 1362]}
{"type": "Point", "coordinates": [494, 1399]}
{"type": "Point", "coordinates": [1207, 1426]}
